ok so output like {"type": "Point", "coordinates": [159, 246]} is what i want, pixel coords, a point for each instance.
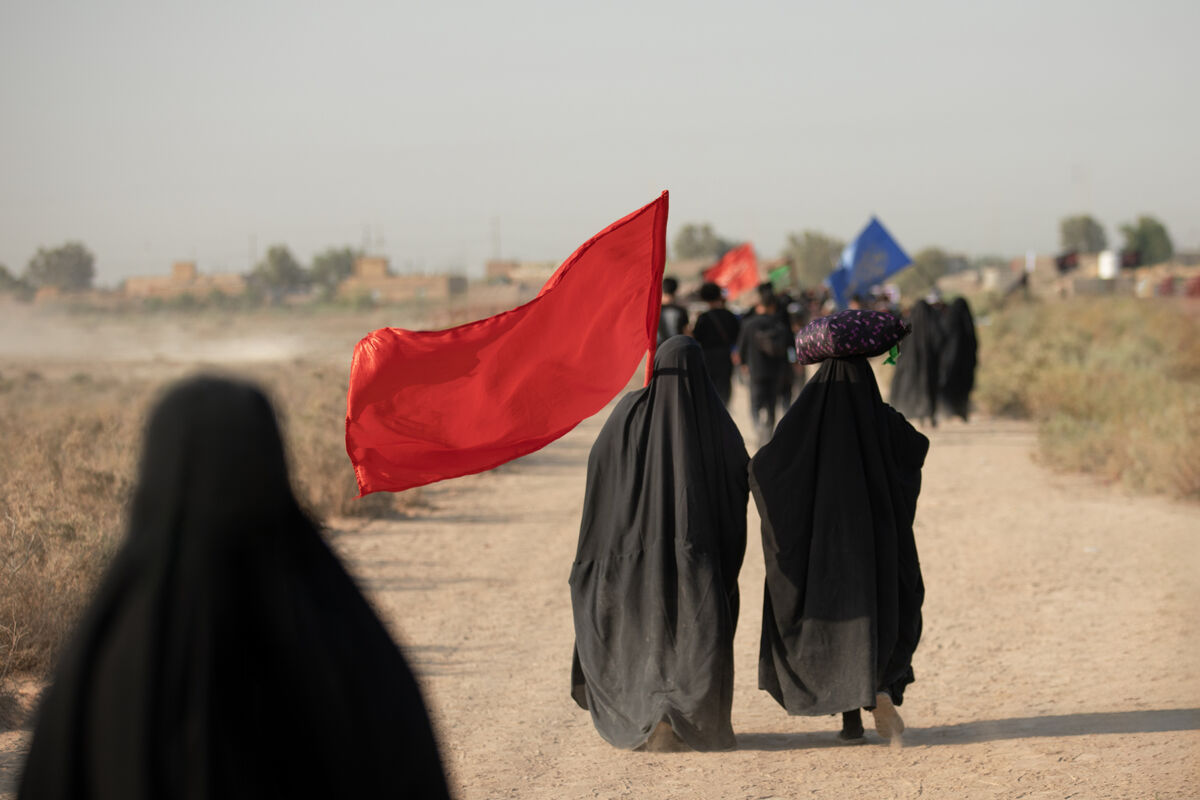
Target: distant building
{"type": "Point", "coordinates": [184, 279]}
{"type": "Point", "coordinates": [371, 267]}
{"type": "Point", "coordinates": [85, 298]}
{"type": "Point", "coordinates": [184, 272]}
{"type": "Point", "coordinates": [1042, 270]}
{"type": "Point", "coordinates": [47, 294]}
{"type": "Point", "coordinates": [686, 270]}
{"type": "Point", "coordinates": [524, 272]}
{"type": "Point", "coordinates": [500, 269]}
{"type": "Point", "coordinates": [373, 278]}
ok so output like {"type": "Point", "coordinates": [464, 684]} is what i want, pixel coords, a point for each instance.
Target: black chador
{"type": "Point", "coordinates": [654, 585]}
{"type": "Point", "coordinates": [959, 354]}
{"type": "Point", "coordinates": [915, 384]}
{"type": "Point", "coordinates": [227, 654]}
{"type": "Point", "coordinates": [836, 488]}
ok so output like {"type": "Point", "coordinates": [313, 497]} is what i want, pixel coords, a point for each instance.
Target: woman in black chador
{"type": "Point", "coordinates": [654, 585]}
{"type": "Point", "coordinates": [836, 488]}
{"type": "Point", "coordinates": [959, 353]}
{"type": "Point", "coordinates": [917, 379]}
{"type": "Point", "coordinates": [227, 654]}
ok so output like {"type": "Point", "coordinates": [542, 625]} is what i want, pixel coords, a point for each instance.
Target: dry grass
{"type": "Point", "coordinates": [1113, 383]}
{"type": "Point", "coordinates": [64, 481]}
{"type": "Point", "coordinates": [70, 449]}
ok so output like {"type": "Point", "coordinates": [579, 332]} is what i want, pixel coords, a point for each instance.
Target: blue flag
{"type": "Point", "coordinates": [865, 262]}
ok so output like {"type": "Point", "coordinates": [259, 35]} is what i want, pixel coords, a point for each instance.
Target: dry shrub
{"type": "Point", "coordinates": [310, 400]}
{"type": "Point", "coordinates": [64, 484]}
{"type": "Point", "coordinates": [70, 459]}
{"type": "Point", "coordinates": [1114, 384]}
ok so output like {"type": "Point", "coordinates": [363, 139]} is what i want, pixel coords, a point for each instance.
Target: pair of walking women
{"type": "Point", "coordinates": [654, 587]}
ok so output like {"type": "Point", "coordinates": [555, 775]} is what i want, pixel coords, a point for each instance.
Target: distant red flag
{"type": "Point", "coordinates": [736, 272]}
{"type": "Point", "coordinates": [424, 406]}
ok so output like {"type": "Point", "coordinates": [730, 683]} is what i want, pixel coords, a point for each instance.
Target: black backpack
{"type": "Point", "coordinates": [772, 341]}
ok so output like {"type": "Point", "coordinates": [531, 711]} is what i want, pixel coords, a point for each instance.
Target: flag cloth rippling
{"type": "Point", "coordinates": [424, 406]}
{"type": "Point", "coordinates": [736, 272]}
{"type": "Point", "coordinates": [866, 261]}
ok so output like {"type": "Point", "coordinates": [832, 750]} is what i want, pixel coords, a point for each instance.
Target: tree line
{"type": "Point", "coordinates": [1146, 237]}
{"type": "Point", "coordinates": [280, 272]}
{"type": "Point", "coordinates": [71, 267]}
{"type": "Point", "coordinates": [811, 255]}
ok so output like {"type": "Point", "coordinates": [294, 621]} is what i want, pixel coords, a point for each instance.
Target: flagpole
{"type": "Point", "coordinates": [658, 261]}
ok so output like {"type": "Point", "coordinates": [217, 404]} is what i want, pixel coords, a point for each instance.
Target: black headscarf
{"type": "Point", "coordinates": [918, 369]}
{"type": "Point", "coordinates": [227, 654]}
{"type": "Point", "coordinates": [959, 353]}
{"type": "Point", "coordinates": [654, 585]}
{"type": "Point", "coordinates": [836, 488]}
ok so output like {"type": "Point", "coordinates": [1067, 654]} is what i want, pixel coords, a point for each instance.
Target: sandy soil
{"type": "Point", "coordinates": [1059, 657]}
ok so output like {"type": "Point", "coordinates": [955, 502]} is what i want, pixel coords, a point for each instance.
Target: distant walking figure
{"type": "Point", "coordinates": [959, 354]}
{"type": "Point", "coordinates": [763, 347]}
{"type": "Point", "coordinates": [654, 584]}
{"type": "Point", "coordinates": [717, 332]}
{"type": "Point", "coordinates": [672, 317]}
{"type": "Point", "coordinates": [836, 488]}
{"type": "Point", "coordinates": [917, 379]}
{"type": "Point", "coordinates": [226, 653]}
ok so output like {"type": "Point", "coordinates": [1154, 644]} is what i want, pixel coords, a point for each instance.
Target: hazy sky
{"type": "Point", "coordinates": [155, 131]}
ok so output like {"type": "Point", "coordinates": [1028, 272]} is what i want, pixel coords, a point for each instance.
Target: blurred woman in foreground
{"type": "Point", "coordinates": [227, 653]}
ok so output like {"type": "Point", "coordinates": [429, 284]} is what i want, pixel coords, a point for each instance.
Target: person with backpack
{"type": "Point", "coordinates": [763, 351]}
{"type": "Point", "coordinates": [673, 318]}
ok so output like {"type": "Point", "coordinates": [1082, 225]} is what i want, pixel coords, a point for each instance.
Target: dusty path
{"type": "Point", "coordinates": [1059, 658]}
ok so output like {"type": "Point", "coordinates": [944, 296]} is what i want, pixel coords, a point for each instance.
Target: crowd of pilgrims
{"type": "Point", "coordinates": [227, 653]}
{"type": "Point", "coordinates": [938, 370]}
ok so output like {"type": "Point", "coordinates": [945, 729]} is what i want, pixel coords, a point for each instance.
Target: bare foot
{"type": "Point", "coordinates": [663, 739]}
{"type": "Point", "coordinates": [888, 723]}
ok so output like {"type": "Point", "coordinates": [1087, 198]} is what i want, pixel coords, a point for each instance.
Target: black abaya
{"type": "Point", "coordinates": [959, 353]}
{"type": "Point", "coordinates": [836, 488]}
{"type": "Point", "coordinates": [917, 377]}
{"type": "Point", "coordinates": [717, 331]}
{"type": "Point", "coordinates": [654, 585]}
{"type": "Point", "coordinates": [227, 654]}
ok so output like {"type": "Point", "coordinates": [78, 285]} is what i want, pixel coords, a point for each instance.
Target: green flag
{"type": "Point", "coordinates": [780, 275]}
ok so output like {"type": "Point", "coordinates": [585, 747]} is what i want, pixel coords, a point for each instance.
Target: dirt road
{"type": "Point", "coordinates": [1059, 657]}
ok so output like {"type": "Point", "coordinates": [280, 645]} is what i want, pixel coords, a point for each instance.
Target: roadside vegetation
{"type": "Point", "coordinates": [71, 445]}
{"type": "Point", "coordinates": [1113, 384]}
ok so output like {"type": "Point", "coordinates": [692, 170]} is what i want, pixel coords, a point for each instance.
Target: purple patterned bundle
{"type": "Point", "coordinates": [849, 333]}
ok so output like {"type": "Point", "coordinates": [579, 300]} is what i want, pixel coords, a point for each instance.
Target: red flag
{"type": "Point", "coordinates": [428, 405]}
{"type": "Point", "coordinates": [736, 272]}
